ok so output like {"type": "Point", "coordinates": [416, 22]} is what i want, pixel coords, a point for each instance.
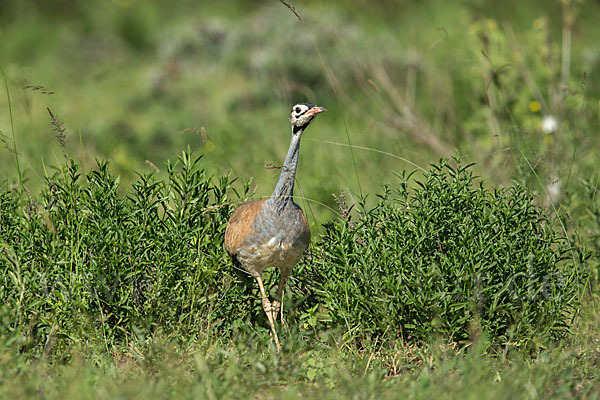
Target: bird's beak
{"type": "Point", "coordinates": [315, 110]}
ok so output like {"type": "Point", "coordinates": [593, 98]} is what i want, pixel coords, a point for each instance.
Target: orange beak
{"type": "Point", "coordinates": [315, 110]}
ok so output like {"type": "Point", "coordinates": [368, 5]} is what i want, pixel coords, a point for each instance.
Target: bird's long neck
{"type": "Point", "coordinates": [284, 190]}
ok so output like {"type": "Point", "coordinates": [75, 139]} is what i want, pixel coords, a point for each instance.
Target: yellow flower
{"type": "Point", "coordinates": [534, 106]}
{"type": "Point", "coordinates": [209, 146]}
{"type": "Point", "coordinates": [540, 23]}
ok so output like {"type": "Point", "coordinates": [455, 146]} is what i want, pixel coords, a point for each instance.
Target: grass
{"type": "Point", "coordinates": [242, 369]}
{"type": "Point", "coordinates": [467, 278]}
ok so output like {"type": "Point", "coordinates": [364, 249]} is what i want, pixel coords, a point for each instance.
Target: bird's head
{"type": "Point", "coordinates": [303, 114]}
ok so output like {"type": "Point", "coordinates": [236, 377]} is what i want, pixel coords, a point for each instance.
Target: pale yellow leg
{"type": "Point", "coordinates": [268, 310]}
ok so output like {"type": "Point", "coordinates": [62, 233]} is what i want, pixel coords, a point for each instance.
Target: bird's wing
{"type": "Point", "coordinates": [240, 225]}
{"type": "Point", "coordinates": [306, 233]}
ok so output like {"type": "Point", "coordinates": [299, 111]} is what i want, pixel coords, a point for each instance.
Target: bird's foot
{"type": "Point", "coordinates": [271, 309]}
{"type": "Point", "coordinates": [268, 307]}
{"type": "Point", "coordinates": [275, 308]}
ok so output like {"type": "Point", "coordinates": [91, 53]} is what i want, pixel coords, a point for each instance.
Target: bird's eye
{"type": "Point", "coordinates": [297, 109]}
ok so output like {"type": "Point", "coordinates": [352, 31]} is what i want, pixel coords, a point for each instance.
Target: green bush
{"type": "Point", "coordinates": [450, 258]}
{"type": "Point", "coordinates": [90, 263]}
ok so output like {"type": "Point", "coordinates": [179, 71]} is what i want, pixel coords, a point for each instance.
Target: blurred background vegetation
{"type": "Point", "coordinates": [136, 82]}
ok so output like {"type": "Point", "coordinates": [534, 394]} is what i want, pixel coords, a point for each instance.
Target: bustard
{"type": "Point", "coordinates": [273, 232]}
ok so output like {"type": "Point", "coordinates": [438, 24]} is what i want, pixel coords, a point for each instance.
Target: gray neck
{"type": "Point", "coordinates": [285, 186]}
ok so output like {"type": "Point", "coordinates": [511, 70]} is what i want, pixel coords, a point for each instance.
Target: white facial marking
{"type": "Point", "coordinates": [297, 116]}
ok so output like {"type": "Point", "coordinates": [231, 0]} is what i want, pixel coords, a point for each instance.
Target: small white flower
{"type": "Point", "coordinates": [549, 124]}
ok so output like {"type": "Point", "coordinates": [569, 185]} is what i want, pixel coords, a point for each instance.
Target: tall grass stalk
{"type": "Point", "coordinates": [12, 127]}
{"type": "Point", "coordinates": [341, 111]}
{"type": "Point", "coordinates": [371, 149]}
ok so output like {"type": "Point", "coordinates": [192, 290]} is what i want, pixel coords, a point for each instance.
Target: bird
{"type": "Point", "coordinates": [273, 232]}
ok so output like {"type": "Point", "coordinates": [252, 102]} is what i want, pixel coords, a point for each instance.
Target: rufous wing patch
{"type": "Point", "coordinates": [305, 225]}
{"type": "Point", "coordinates": [240, 225]}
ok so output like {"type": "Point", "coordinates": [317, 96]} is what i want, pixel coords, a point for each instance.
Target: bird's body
{"type": "Point", "coordinates": [259, 237]}
{"type": "Point", "coordinates": [273, 232]}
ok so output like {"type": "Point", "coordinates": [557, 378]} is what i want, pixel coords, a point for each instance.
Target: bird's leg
{"type": "Point", "coordinates": [268, 307]}
{"type": "Point", "coordinates": [277, 302]}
